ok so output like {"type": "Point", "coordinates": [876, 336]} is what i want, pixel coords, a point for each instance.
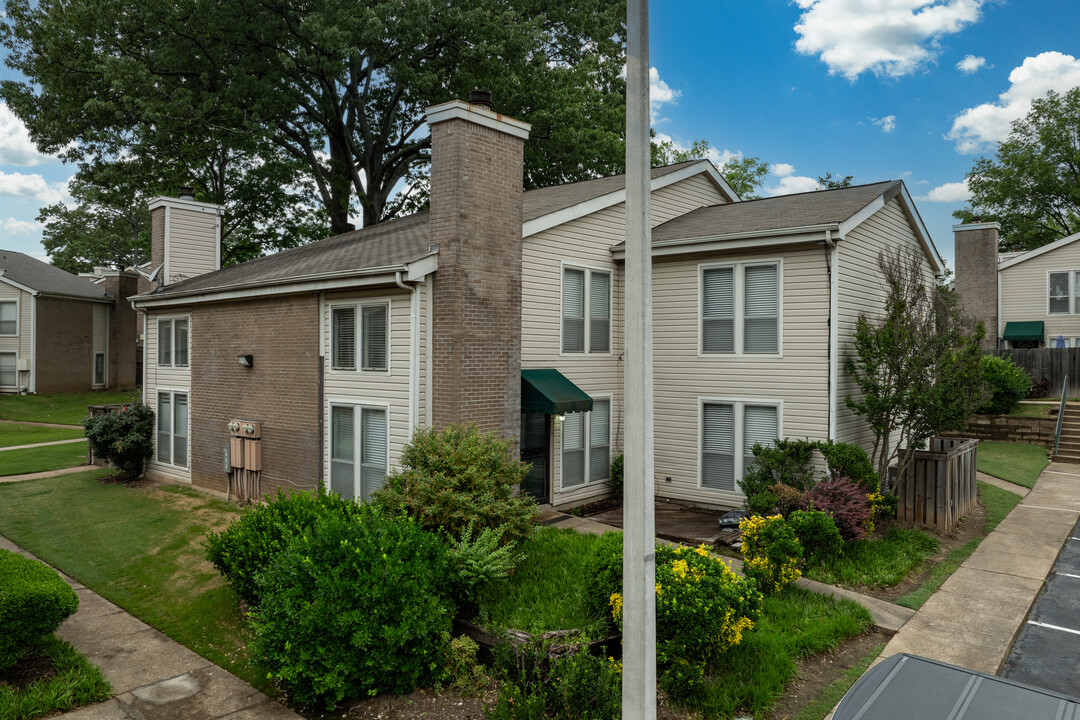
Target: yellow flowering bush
{"type": "Point", "coordinates": [771, 552]}
{"type": "Point", "coordinates": [702, 609]}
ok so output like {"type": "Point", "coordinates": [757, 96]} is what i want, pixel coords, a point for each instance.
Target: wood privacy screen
{"type": "Point", "coordinates": [1046, 366]}
{"type": "Point", "coordinates": [938, 486]}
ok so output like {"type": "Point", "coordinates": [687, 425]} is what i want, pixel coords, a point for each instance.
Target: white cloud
{"type": "Point", "coordinates": [783, 170]}
{"type": "Point", "coordinates": [991, 122]}
{"type": "Point", "coordinates": [11, 226]}
{"type": "Point", "coordinates": [886, 37]}
{"type": "Point", "coordinates": [887, 123]}
{"type": "Point", "coordinates": [718, 157]}
{"type": "Point", "coordinates": [16, 147]}
{"type": "Point", "coordinates": [790, 183]}
{"type": "Point", "coordinates": [970, 64]}
{"type": "Point", "coordinates": [659, 91]}
{"type": "Point", "coordinates": [33, 187]}
{"type": "Point", "coordinates": [955, 192]}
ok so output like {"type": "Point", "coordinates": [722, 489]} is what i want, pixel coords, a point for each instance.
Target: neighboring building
{"type": "Point", "coordinates": [1026, 299]}
{"type": "Point", "coordinates": [504, 308]}
{"type": "Point", "coordinates": [64, 333]}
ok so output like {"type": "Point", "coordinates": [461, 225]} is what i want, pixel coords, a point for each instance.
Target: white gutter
{"type": "Point", "coordinates": [752, 238]}
{"type": "Point", "coordinates": [414, 350]}
{"type": "Point", "coordinates": [834, 330]}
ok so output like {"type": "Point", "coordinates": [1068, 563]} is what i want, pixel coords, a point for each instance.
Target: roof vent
{"type": "Point", "coordinates": [481, 98]}
{"type": "Point", "coordinates": [186, 193]}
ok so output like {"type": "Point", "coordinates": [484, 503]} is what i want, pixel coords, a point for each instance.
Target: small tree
{"type": "Point", "coordinates": [124, 438]}
{"type": "Point", "coordinates": [918, 366]}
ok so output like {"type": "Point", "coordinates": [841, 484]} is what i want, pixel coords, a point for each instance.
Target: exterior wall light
{"type": "Point", "coordinates": [246, 360]}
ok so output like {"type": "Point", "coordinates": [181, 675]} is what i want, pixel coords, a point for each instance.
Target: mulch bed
{"type": "Point", "coordinates": [32, 667]}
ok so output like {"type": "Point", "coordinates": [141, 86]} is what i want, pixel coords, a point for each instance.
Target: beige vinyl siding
{"type": "Point", "coordinates": [22, 343]}
{"type": "Point", "coordinates": [586, 243]}
{"type": "Point", "coordinates": [862, 291]}
{"type": "Point", "coordinates": [192, 243]}
{"type": "Point", "coordinates": [166, 379]}
{"type": "Point", "coordinates": [682, 377]}
{"type": "Point", "coordinates": [1024, 292]}
{"type": "Point", "coordinates": [388, 389]}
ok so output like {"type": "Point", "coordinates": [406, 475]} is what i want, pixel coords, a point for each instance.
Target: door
{"type": "Point", "coordinates": [535, 450]}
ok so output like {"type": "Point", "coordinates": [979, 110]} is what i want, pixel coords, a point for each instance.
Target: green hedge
{"type": "Point", "coordinates": [34, 600]}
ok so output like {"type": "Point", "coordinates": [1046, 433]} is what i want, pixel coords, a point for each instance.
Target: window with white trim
{"type": "Point", "coordinates": [9, 318]}
{"type": "Point", "coordinates": [1063, 293]}
{"type": "Point", "coordinates": [172, 428]}
{"type": "Point", "coordinates": [586, 445]}
{"type": "Point", "coordinates": [586, 311]}
{"type": "Point", "coordinates": [730, 426]}
{"type": "Point", "coordinates": [740, 309]}
{"type": "Point", "coordinates": [173, 342]}
{"type": "Point", "coordinates": [358, 450]}
{"type": "Point", "coordinates": [374, 336]}
{"type": "Point", "coordinates": [9, 377]}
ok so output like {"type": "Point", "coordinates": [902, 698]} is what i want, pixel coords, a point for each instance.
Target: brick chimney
{"type": "Point", "coordinates": [976, 274]}
{"type": "Point", "coordinates": [185, 237]}
{"type": "Point", "coordinates": [475, 219]}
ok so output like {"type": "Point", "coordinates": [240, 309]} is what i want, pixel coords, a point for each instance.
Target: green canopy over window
{"type": "Point", "coordinates": [1031, 330]}
{"type": "Point", "coordinates": [548, 391]}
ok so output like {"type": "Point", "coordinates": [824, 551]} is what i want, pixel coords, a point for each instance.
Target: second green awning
{"type": "Point", "coordinates": [549, 391]}
{"type": "Point", "coordinates": [1030, 330]}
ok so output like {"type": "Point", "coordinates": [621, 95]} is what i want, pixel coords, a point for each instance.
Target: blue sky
{"type": "Point", "coordinates": [877, 89]}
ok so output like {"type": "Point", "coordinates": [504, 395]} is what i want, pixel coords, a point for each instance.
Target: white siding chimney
{"type": "Point", "coordinates": [185, 238]}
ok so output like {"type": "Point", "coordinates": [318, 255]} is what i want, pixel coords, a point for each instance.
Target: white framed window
{"type": "Point", "coordinates": [1059, 293]}
{"type": "Point", "coordinates": [173, 341]}
{"type": "Point", "coordinates": [370, 324]}
{"type": "Point", "coordinates": [358, 449]}
{"type": "Point", "coordinates": [729, 429]}
{"type": "Point", "coordinates": [9, 376]}
{"type": "Point", "coordinates": [9, 318]}
{"type": "Point", "coordinates": [172, 427]}
{"type": "Point", "coordinates": [586, 445]}
{"type": "Point", "coordinates": [586, 311]}
{"type": "Point", "coordinates": [740, 308]}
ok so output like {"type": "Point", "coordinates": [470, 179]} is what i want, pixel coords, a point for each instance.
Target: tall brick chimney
{"type": "Point", "coordinates": [477, 170]}
{"type": "Point", "coordinates": [976, 274]}
{"type": "Point", "coordinates": [185, 237]}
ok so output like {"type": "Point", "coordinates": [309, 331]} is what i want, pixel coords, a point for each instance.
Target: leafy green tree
{"type": "Point", "coordinates": [828, 182]}
{"type": "Point", "coordinates": [1032, 185]}
{"type": "Point", "coordinates": [918, 366]}
{"type": "Point", "coordinates": [745, 174]}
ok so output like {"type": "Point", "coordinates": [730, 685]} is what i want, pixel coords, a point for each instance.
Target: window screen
{"type": "Point", "coordinates": [599, 441]}
{"type": "Point", "coordinates": [180, 348]}
{"type": "Point", "coordinates": [180, 423]}
{"type": "Point", "coordinates": [759, 426]}
{"type": "Point", "coordinates": [8, 318]}
{"type": "Point", "coordinates": [718, 310]}
{"type": "Point", "coordinates": [718, 447]}
{"type": "Point", "coordinates": [342, 444]}
{"type": "Point", "coordinates": [164, 334]}
{"type": "Point", "coordinates": [375, 327]}
{"type": "Point", "coordinates": [762, 303]}
{"type": "Point", "coordinates": [8, 376]}
{"type": "Point", "coordinates": [573, 456]}
{"type": "Point", "coordinates": [573, 310]}
{"type": "Point", "coordinates": [1059, 292]}
{"type": "Point", "coordinates": [164, 428]}
{"type": "Point", "coordinates": [599, 312]}
{"type": "Point", "coordinates": [373, 451]}
{"type": "Point", "coordinates": [343, 338]}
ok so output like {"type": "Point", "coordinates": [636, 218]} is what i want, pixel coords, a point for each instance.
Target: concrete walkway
{"type": "Point", "coordinates": [47, 473]}
{"type": "Point", "coordinates": [43, 444]}
{"type": "Point", "coordinates": [152, 676]}
{"type": "Point", "coordinates": [40, 424]}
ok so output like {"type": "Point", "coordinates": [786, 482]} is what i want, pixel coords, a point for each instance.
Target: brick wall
{"type": "Point", "coordinates": [281, 390]}
{"type": "Point", "coordinates": [64, 345]}
{"type": "Point", "coordinates": [124, 327]}
{"type": "Point", "coordinates": [476, 189]}
{"type": "Point", "coordinates": [976, 275]}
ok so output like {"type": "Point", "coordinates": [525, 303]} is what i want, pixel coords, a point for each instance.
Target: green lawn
{"type": "Point", "coordinates": [64, 409]}
{"type": "Point", "coordinates": [50, 457]}
{"type": "Point", "coordinates": [75, 684]}
{"type": "Point", "coordinates": [1032, 410]}
{"type": "Point", "coordinates": [19, 434]}
{"type": "Point", "coordinates": [1018, 463]}
{"type": "Point", "coordinates": [878, 562]}
{"type": "Point", "coordinates": [140, 548]}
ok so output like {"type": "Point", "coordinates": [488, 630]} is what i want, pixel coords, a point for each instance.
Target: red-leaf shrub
{"type": "Point", "coordinates": [846, 501]}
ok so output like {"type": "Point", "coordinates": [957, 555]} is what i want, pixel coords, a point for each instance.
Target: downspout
{"type": "Point", "coordinates": [834, 330]}
{"type": "Point", "coordinates": [33, 345]}
{"type": "Point", "coordinates": [414, 350]}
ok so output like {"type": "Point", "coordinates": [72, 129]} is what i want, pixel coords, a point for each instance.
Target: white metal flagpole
{"type": "Point", "coordinates": [639, 552]}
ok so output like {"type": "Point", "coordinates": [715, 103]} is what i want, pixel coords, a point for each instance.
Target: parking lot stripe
{"type": "Point", "coordinates": [1054, 627]}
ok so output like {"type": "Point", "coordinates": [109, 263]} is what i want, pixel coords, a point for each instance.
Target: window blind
{"type": "Point", "coordinates": [372, 451]}
{"type": "Point", "coordinates": [759, 426]}
{"type": "Point", "coordinates": [164, 428]}
{"type": "Point", "coordinates": [762, 308]}
{"type": "Point", "coordinates": [718, 447]}
{"type": "Point", "coordinates": [343, 338]}
{"type": "Point", "coordinates": [8, 375]}
{"type": "Point", "coordinates": [180, 423]}
{"type": "Point", "coordinates": [599, 441]}
{"type": "Point", "coordinates": [573, 443]}
{"type": "Point", "coordinates": [164, 333]}
{"type": "Point", "coordinates": [573, 310]}
{"type": "Point", "coordinates": [375, 326]}
{"type": "Point", "coordinates": [181, 345]}
{"type": "Point", "coordinates": [342, 444]}
{"type": "Point", "coordinates": [8, 318]}
{"type": "Point", "coordinates": [599, 312]}
{"type": "Point", "coordinates": [718, 311]}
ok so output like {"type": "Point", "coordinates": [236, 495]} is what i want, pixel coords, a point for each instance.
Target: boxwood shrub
{"type": "Point", "coordinates": [34, 600]}
{"type": "Point", "coordinates": [1008, 382]}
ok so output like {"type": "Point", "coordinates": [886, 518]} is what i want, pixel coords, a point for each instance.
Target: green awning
{"type": "Point", "coordinates": [1031, 330]}
{"type": "Point", "coordinates": [548, 391]}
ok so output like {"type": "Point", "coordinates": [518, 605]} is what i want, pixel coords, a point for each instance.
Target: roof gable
{"type": "Point", "coordinates": [1031, 254]}
{"type": "Point", "coordinates": [26, 272]}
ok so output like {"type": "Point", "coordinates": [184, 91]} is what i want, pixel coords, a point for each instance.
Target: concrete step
{"type": "Point", "coordinates": [1068, 458]}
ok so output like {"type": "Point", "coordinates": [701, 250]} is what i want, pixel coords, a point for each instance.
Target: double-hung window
{"type": "Point", "coordinates": [172, 428]}
{"type": "Point", "coordinates": [358, 452]}
{"type": "Point", "coordinates": [9, 318]}
{"type": "Point", "coordinates": [729, 431]}
{"type": "Point", "coordinates": [740, 309]}
{"type": "Point", "coordinates": [1063, 293]}
{"type": "Point", "coordinates": [372, 321]}
{"type": "Point", "coordinates": [173, 341]}
{"type": "Point", "coordinates": [8, 374]}
{"type": "Point", "coordinates": [586, 311]}
{"type": "Point", "coordinates": [586, 445]}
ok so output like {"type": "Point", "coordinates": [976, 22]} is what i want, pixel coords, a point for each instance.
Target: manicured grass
{"type": "Point", "coordinates": [75, 684]}
{"type": "Point", "coordinates": [998, 503]}
{"type": "Point", "coordinates": [880, 562]}
{"type": "Point", "coordinates": [831, 695]}
{"type": "Point", "coordinates": [140, 548]}
{"type": "Point", "coordinates": [64, 409]}
{"type": "Point", "coordinates": [546, 591]}
{"type": "Point", "coordinates": [1018, 463]}
{"type": "Point", "coordinates": [50, 457]}
{"type": "Point", "coordinates": [1024, 409]}
{"type": "Point", "coordinates": [794, 624]}
{"type": "Point", "coordinates": [29, 434]}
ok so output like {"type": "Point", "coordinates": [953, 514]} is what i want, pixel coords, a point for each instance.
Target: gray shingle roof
{"type": "Point", "coordinates": [822, 207]}
{"type": "Point", "coordinates": [47, 279]}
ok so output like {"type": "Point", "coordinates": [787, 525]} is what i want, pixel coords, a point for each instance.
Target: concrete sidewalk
{"type": "Point", "coordinates": [48, 473]}
{"type": "Point", "coordinates": [152, 676]}
{"type": "Point", "coordinates": [43, 444]}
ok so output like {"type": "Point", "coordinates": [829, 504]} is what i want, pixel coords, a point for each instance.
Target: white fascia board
{"type": "Point", "coordinates": [312, 283]}
{"type": "Point", "coordinates": [20, 286]}
{"type": "Point", "coordinates": [860, 217]}
{"type": "Point", "coordinates": [1037, 251]}
{"type": "Point", "coordinates": [479, 115]}
{"type": "Point", "coordinates": [419, 269]}
{"type": "Point", "coordinates": [546, 222]}
{"type": "Point", "coordinates": [193, 205]}
{"type": "Point", "coordinates": [735, 241]}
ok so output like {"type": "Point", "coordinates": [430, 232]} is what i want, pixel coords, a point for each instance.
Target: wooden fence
{"type": "Point", "coordinates": [1046, 366]}
{"type": "Point", "coordinates": [938, 486]}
